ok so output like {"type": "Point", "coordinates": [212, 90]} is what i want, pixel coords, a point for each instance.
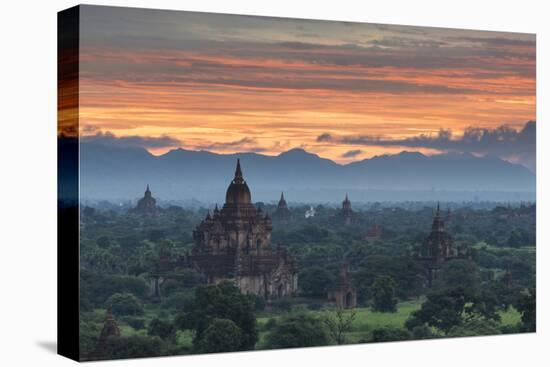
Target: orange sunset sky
{"type": "Point", "coordinates": [224, 83]}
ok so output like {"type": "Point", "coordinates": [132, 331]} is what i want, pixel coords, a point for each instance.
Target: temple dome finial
{"type": "Point", "coordinates": [238, 191]}
{"type": "Point", "coordinates": [238, 171]}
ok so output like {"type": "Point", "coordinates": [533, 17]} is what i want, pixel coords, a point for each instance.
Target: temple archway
{"type": "Point", "coordinates": [349, 300]}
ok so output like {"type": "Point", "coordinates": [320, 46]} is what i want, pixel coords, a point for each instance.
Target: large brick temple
{"type": "Point", "coordinates": [235, 243]}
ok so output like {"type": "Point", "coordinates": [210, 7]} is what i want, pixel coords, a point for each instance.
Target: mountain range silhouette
{"type": "Point", "coordinates": [109, 171]}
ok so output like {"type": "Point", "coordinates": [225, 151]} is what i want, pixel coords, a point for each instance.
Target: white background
{"type": "Point", "coordinates": [28, 182]}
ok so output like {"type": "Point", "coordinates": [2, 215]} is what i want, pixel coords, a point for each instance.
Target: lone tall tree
{"type": "Point", "coordinates": [339, 323]}
{"type": "Point", "coordinates": [383, 292]}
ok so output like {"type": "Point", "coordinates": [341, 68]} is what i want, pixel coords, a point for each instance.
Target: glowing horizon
{"type": "Point", "coordinates": [228, 83]}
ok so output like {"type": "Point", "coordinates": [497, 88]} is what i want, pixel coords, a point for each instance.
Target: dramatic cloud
{"type": "Point", "coordinates": [147, 142]}
{"type": "Point", "coordinates": [504, 142]}
{"type": "Point", "coordinates": [325, 137]}
{"type": "Point", "coordinates": [499, 41]}
{"type": "Point", "coordinates": [352, 153]}
{"type": "Point", "coordinates": [229, 83]}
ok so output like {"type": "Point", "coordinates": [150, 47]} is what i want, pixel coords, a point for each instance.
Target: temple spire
{"type": "Point", "coordinates": [346, 202]}
{"type": "Point", "coordinates": [282, 213]}
{"type": "Point", "coordinates": [347, 212]}
{"type": "Point", "coordinates": [438, 224]}
{"type": "Point", "coordinates": [238, 173]}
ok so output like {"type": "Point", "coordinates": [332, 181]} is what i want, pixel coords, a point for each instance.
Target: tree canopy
{"type": "Point", "coordinates": [296, 331]}
{"type": "Point", "coordinates": [221, 301]}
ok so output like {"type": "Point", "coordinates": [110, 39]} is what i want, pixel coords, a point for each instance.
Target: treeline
{"type": "Point", "coordinates": [119, 252]}
{"type": "Point", "coordinates": [221, 319]}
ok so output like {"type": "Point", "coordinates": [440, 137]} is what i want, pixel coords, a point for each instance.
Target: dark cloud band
{"type": "Point", "coordinates": [504, 142]}
{"type": "Point", "coordinates": [107, 138]}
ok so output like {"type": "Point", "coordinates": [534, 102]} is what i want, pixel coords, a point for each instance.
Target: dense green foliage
{"type": "Point", "coordinates": [133, 346]}
{"type": "Point", "coordinates": [459, 273]}
{"type": "Point", "coordinates": [162, 328]}
{"type": "Point", "coordinates": [383, 295]}
{"type": "Point", "coordinates": [451, 307]}
{"type": "Point", "coordinates": [221, 301]}
{"type": "Point", "coordinates": [390, 334]}
{"type": "Point", "coordinates": [475, 328]}
{"type": "Point", "coordinates": [314, 281]}
{"type": "Point", "coordinates": [527, 305]}
{"type": "Point", "coordinates": [339, 323]}
{"type": "Point", "coordinates": [96, 288]}
{"type": "Point", "coordinates": [221, 335]}
{"type": "Point", "coordinates": [491, 292]}
{"type": "Point", "coordinates": [124, 304]}
{"type": "Point", "coordinates": [298, 330]}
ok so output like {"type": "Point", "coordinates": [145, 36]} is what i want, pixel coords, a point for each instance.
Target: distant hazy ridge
{"type": "Point", "coordinates": [110, 172]}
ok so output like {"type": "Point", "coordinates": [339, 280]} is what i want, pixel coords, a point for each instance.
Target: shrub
{"type": "Point", "coordinates": [96, 288]}
{"type": "Point", "coordinates": [475, 328]}
{"type": "Point", "coordinates": [422, 332]}
{"type": "Point", "coordinates": [89, 333]}
{"type": "Point", "coordinates": [296, 331]}
{"type": "Point", "coordinates": [135, 322]}
{"type": "Point", "coordinates": [161, 328]}
{"type": "Point", "coordinates": [124, 304]}
{"type": "Point", "coordinates": [527, 305]}
{"type": "Point", "coordinates": [134, 346]}
{"type": "Point", "coordinates": [270, 324]}
{"type": "Point", "coordinates": [314, 306]}
{"type": "Point", "coordinates": [510, 329]}
{"type": "Point", "coordinates": [390, 334]}
{"type": "Point", "coordinates": [222, 335]}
